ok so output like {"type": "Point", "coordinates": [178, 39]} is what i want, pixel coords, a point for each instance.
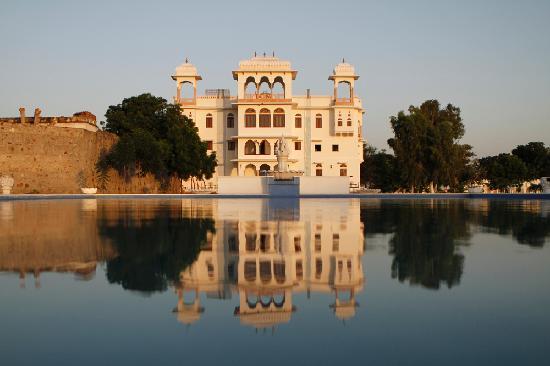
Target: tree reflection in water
{"type": "Point", "coordinates": [426, 235]}
{"type": "Point", "coordinates": [154, 244]}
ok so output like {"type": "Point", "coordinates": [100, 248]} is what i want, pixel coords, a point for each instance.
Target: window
{"type": "Point", "coordinates": [250, 148]}
{"type": "Point", "coordinates": [319, 170]}
{"type": "Point", "coordinates": [318, 147]}
{"type": "Point", "coordinates": [319, 121]}
{"type": "Point", "coordinates": [297, 145]}
{"type": "Point", "coordinates": [343, 170]}
{"type": "Point", "coordinates": [335, 147]}
{"type": "Point", "coordinates": [279, 118]}
{"type": "Point", "coordinates": [340, 122]}
{"type": "Point", "coordinates": [317, 242]}
{"type": "Point", "coordinates": [298, 121]}
{"type": "Point", "coordinates": [265, 118]}
{"type": "Point", "coordinates": [208, 120]}
{"type": "Point", "coordinates": [230, 120]}
{"type": "Point", "coordinates": [231, 145]}
{"type": "Point", "coordinates": [250, 118]}
{"type": "Point", "coordinates": [209, 145]}
{"type": "Point", "coordinates": [335, 242]}
{"type": "Point", "coordinates": [349, 122]}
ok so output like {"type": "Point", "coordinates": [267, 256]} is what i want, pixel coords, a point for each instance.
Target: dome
{"type": "Point", "coordinates": [186, 69]}
{"type": "Point", "coordinates": [344, 69]}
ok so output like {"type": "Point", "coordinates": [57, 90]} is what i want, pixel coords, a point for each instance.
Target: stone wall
{"type": "Point", "coordinates": [45, 159]}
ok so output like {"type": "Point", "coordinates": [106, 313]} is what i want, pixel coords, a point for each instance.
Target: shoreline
{"type": "Point", "coordinates": [62, 196]}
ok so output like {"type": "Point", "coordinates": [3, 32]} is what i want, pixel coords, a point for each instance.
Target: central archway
{"type": "Point", "coordinates": [250, 171]}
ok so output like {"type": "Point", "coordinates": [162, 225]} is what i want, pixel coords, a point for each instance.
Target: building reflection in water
{"type": "Point", "coordinates": [265, 251]}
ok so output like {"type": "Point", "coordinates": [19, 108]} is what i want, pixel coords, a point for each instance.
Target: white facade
{"type": "Point", "coordinates": [324, 131]}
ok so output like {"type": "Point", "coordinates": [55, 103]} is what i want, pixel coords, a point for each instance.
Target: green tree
{"type": "Point", "coordinates": [426, 146]}
{"type": "Point", "coordinates": [379, 169]}
{"type": "Point", "coordinates": [503, 171]}
{"type": "Point", "coordinates": [154, 137]}
{"type": "Point", "coordinates": [536, 158]}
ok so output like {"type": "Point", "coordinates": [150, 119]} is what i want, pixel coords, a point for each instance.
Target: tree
{"type": "Point", "coordinates": [379, 169]}
{"type": "Point", "coordinates": [536, 158]}
{"type": "Point", "coordinates": [426, 146]}
{"type": "Point", "coordinates": [503, 171]}
{"type": "Point", "coordinates": [154, 137]}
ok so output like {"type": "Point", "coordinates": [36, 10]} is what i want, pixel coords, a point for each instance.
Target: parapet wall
{"type": "Point", "coordinates": [45, 159]}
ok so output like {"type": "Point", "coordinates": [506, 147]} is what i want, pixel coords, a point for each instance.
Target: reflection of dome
{"type": "Point", "coordinates": [188, 314]}
{"type": "Point", "coordinates": [344, 312]}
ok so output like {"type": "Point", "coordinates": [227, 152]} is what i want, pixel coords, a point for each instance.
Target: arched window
{"type": "Point", "coordinates": [279, 271]}
{"type": "Point", "coordinates": [318, 120]}
{"type": "Point", "coordinates": [250, 118]}
{"type": "Point", "coordinates": [298, 121]}
{"type": "Point", "coordinates": [319, 170]}
{"type": "Point", "coordinates": [278, 88]}
{"type": "Point", "coordinates": [343, 170]}
{"type": "Point", "coordinates": [265, 148]}
{"type": "Point", "coordinates": [265, 87]}
{"type": "Point", "coordinates": [186, 92]}
{"type": "Point", "coordinates": [264, 168]}
{"type": "Point", "coordinates": [349, 122]}
{"type": "Point", "coordinates": [344, 91]}
{"type": "Point", "coordinates": [265, 271]}
{"type": "Point", "coordinates": [265, 118]}
{"type": "Point", "coordinates": [339, 122]}
{"type": "Point", "coordinates": [250, 170]}
{"type": "Point", "coordinates": [250, 88]}
{"type": "Point", "coordinates": [279, 118]}
{"type": "Point", "coordinates": [230, 120]}
{"type": "Point", "coordinates": [250, 148]}
{"type": "Point", "coordinates": [209, 120]}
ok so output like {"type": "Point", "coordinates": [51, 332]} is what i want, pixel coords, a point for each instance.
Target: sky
{"type": "Point", "coordinates": [491, 58]}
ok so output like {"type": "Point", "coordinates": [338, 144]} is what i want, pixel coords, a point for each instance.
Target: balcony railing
{"type": "Point", "coordinates": [184, 100]}
{"type": "Point", "coordinates": [341, 101]}
{"type": "Point", "coordinates": [264, 96]}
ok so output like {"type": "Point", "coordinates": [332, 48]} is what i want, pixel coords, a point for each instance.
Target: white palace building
{"type": "Point", "coordinates": [324, 132]}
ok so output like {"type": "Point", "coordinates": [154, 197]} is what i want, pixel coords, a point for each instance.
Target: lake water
{"type": "Point", "coordinates": [270, 282]}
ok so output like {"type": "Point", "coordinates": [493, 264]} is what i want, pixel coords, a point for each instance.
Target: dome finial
{"type": "Point", "coordinates": [343, 60]}
{"type": "Point", "coordinates": [186, 60]}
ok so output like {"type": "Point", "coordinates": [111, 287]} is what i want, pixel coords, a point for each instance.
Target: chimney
{"type": "Point", "coordinates": [22, 115]}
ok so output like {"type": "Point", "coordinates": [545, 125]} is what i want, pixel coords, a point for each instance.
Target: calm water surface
{"type": "Point", "coordinates": [271, 282]}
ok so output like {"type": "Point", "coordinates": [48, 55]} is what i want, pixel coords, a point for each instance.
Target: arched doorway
{"type": "Point", "coordinates": [264, 168]}
{"type": "Point", "coordinates": [250, 171]}
{"type": "Point", "coordinates": [265, 148]}
{"type": "Point", "coordinates": [250, 148]}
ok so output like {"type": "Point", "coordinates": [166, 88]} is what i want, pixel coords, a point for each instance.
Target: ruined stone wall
{"type": "Point", "coordinates": [45, 159]}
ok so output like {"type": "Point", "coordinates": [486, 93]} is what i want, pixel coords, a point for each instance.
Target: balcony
{"type": "Point", "coordinates": [185, 101]}
{"type": "Point", "coordinates": [264, 97]}
{"type": "Point", "coordinates": [343, 101]}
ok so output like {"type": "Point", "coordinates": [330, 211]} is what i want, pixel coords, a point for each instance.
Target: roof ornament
{"type": "Point", "coordinates": [273, 53]}
{"type": "Point", "coordinates": [255, 54]}
{"type": "Point", "coordinates": [186, 60]}
{"type": "Point", "coordinates": [343, 60]}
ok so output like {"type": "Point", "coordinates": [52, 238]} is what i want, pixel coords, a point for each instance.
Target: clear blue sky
{"type": "Point", "coordinates": [491, 58]}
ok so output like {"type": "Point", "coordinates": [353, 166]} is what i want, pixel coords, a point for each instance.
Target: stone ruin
{"type": "Point", "coordinates": [84, 119]}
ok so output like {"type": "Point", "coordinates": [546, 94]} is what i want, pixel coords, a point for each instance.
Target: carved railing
{"type": "Point", "coordinates": [264, 96]}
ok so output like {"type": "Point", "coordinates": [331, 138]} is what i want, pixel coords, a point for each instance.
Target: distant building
{"type": "Point", "coordinates": [325, 131]}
